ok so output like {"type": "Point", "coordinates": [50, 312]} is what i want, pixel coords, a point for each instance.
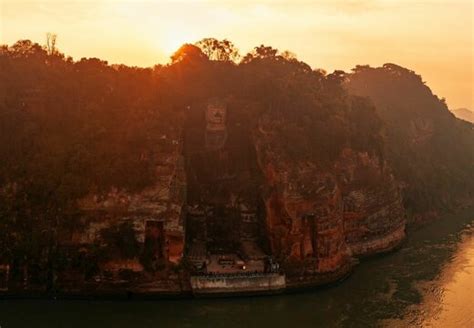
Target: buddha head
{"type": "Point", "coordinates": [216, 114]}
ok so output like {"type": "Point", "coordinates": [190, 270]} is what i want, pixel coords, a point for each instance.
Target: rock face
{"type": "Point", "coordinates": [303, 212]}
{"type": "Point", "coordinates": [374, 217]}
{"type": "Point", "coordinates": [231, 192]}
{"type": "Point", "coordinates": [134, 179]}
{"type": "Point", "coordinates": [431, 152]}
{"type": "Point", "coordinates": [318, 217]}
{"type": "Point", "coordinates": [142, 234]}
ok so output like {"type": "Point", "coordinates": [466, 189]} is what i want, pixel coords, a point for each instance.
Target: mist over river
{"type": "Point", "coordinates": [429, 282]}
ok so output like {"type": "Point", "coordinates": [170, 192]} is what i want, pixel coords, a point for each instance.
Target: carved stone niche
{"type": "Point", "coordinates": [309, 231]}
{"type": "Point", "coordinates": [154, 240]}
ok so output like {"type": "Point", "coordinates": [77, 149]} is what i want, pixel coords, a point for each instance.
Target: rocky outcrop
{"type": "Point", "coordinates": [431, 152]}
{"type": "Point", "coordinates": [374, 217]}
{"type": "Point", "coordinates": [128, 236]}
{"type": "Point", "coordinates": [315, 219]}
{"type": "Point", "coordinates": [318, 217]}
{"type": "Point", "coordinates": [140, 183]}
{"type": "Point", "coordinates": [305, 222]}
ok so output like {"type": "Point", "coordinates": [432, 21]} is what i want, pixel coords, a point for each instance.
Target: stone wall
{"type": "Point", "coordinates": [261, 283]}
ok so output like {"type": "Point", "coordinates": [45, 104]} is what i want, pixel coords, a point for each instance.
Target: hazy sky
{"type": "Point", "coordinates": [432, 37]}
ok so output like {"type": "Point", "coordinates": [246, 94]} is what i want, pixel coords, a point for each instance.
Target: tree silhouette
{"type": "Point", "coordinates": [188, 53]}
{"type": "Point", "coordinates": [220, 50]}
{"type": "Point", "coordinates": [260, 52]}
{"type": "Point", "coordinates": [51, 43]}
{"type": "Point", "coordinates": [69, 128]}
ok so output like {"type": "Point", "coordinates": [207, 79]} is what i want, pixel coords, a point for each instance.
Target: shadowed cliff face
{"type": "Point", "coordinates": [430, 151]}
{"type": "Point", "coordinates": [374, 217]}
{"type": "Point", "coordinates": [312, 218]}
{"type": "Point", "coordinates": [128, 185]}
{"type": "Point", "coordinates": [121, 231]}
{"type": "Point", "coordinates": [318, 216]}
{"type": "Point", "coordinates": [303, 206]}
{"type": "Point", "coordinates": [223, 195]}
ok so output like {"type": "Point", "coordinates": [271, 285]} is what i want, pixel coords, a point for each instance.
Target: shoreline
{"type": "Point", "coordinates": [293, 284]}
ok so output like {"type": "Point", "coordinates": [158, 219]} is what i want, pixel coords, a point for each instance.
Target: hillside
{"type": "Point", "coordinates": [464, 114]}
{"type": "Point", "coordinates": [431, 151]}
{"type": "Point", "coordinates": [119, 179]}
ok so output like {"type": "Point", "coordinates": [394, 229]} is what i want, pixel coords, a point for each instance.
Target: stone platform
{"type": "Point", "coordinates": [235, 284]}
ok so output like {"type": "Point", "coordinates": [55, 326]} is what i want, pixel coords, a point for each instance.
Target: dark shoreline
{"type": "Point", "coordinates": [294, 285]}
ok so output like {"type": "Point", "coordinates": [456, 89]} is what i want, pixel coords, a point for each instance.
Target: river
{"type": "Point", "coordinates": [429, 282]}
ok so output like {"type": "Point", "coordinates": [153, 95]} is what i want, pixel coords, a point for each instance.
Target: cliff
{"type": "Point", "coordinates": [317, 217]}
{"type": "Point", "coordinates": [288, 218]}
{"type": "Point", "coordinates": [130, 240]}
{"type": "Point", "coordinates": [431, 152]}
{"type": "Point", "coordinates": [374, 217]}
{"type": "Point", "coordinates": [124, 180]}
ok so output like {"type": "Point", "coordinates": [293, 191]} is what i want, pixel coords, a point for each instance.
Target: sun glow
{"type": "Point", "coordinates": [325, 34]}
{"type": "Point", "coordinates": [175, 38]}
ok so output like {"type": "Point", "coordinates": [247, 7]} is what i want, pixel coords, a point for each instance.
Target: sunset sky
{"type": "Point", "coordinates": [432, 37]}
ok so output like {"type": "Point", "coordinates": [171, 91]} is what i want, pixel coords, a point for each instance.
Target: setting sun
{"type": "Point", "coordinates": [160, 150]}
{"type": "Point", "coordinates": [325, 34]}
{"type": "Point", "coordinates": [173, 39]}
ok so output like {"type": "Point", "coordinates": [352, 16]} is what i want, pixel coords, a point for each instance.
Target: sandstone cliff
{"type": "Point", "coordinates": [431, 152]}
{"type": "Point", "coordinates": [130, 180]}
{"type": "Point", "coordinates": [317, 217]}
{"type": "Point", "coordinates": [131, 236]}
{"type": "Point", "coordinates": [374, 217]}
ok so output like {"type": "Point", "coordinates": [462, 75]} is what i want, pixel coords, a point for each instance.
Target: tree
{"type": "Point", "coordinates": [25, 49]}
{"type": "Point", "coordinates": [220, 50]}
{"type": "Point", "coordinates": [51, 43]}
{"type": "Point", "coordinates": [188, 53]}
{"type": "Point", "coordinates": [288, 55]}
{"type": "Point", "coordinates": [260, 52]}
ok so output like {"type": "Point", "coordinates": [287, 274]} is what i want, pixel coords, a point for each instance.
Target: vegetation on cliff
{"type": "Point", "coordinates": [430, 150]}
{"type": "Point", "coordinates": [69, 128]}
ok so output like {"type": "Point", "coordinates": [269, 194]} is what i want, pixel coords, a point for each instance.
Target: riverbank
{"type": "Point", "coordinates": [180, 289]}
{"type": "Point", "coordinates": [447, 301]}
{"type": "Point", "coordinates": [381, 288]}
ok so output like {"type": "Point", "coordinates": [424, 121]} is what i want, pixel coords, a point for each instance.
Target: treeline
{"type": "Point", "coordinates": [431, 151]}
{"type": "Point", "coordinates": [68, 128]}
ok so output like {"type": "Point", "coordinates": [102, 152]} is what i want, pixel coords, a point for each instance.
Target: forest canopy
{"type": "Point", "coordinates": [71, 127]}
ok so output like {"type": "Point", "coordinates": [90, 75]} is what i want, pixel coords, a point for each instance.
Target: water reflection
{"type": "Point", "coordinates": [448, 301]}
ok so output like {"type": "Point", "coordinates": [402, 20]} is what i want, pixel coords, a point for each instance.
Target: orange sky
{"type": "Point", "coordinates": [432, 37]}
